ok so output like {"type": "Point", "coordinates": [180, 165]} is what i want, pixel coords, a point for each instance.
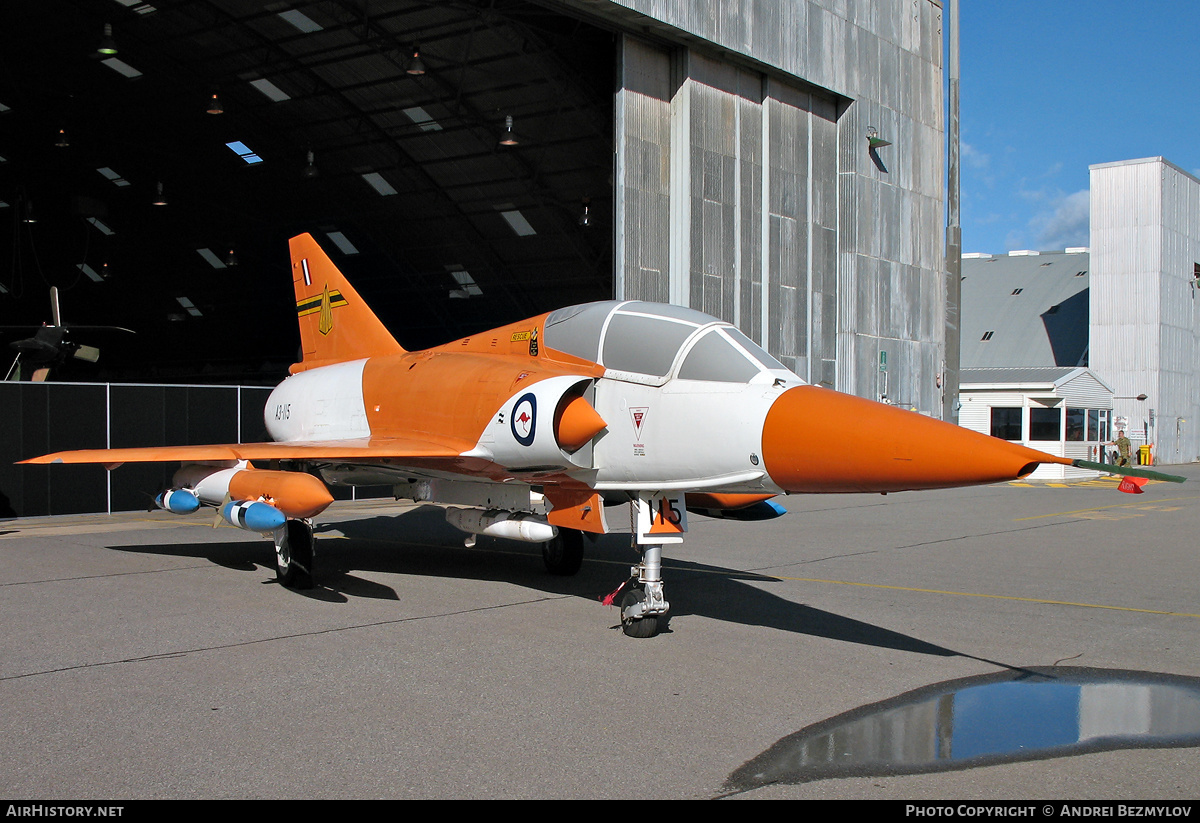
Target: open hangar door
{"type": "Point", "coordinates": [375, 126]}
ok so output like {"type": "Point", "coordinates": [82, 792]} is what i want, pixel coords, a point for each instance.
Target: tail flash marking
{"type": "Point", "coordinates": [335, 324]}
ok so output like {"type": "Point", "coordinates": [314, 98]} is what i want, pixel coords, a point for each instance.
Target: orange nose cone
{"type": "Point", "coordinates": [816, 440]}
{"type": "Point", "coordinates": [575, 423]}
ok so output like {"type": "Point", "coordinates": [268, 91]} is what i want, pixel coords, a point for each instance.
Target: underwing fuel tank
{"type": "Point", "coordinates": [495, 523]}
{"type": "Point", "coordinates": [295, 494]}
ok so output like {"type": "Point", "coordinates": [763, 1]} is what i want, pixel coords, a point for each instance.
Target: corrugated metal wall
{"type": "Point", "coordinates": [752, 195]}
{"type": "Point", "coordinates": [1145, 313]}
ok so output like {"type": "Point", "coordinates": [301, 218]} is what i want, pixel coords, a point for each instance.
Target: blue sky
{"type": "Point", "coordinates": [1049, 88]}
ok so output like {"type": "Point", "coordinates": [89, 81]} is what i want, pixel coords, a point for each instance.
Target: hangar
{"type": "Point", "coordinates": [778, 166]}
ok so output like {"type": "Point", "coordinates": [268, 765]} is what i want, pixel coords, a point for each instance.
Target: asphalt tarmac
{"type": "Point", "coordinates": [147, 655]}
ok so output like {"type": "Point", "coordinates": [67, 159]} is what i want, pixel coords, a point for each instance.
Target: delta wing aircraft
{"type": "Point", "coordinates": [532, 430]}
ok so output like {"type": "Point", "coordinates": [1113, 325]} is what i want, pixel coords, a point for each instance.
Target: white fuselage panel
{"type": "Point", "coordinates": [686, 433]}
{"type": "Point", "coordinates": [325, 403]}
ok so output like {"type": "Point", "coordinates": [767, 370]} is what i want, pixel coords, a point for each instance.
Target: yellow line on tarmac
{"type": "Point", "coordinates": [1134, 505]}
{"type": "Point", "coordinates": [989, 596]}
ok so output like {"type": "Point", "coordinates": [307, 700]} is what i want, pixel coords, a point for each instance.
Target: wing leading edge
{"type": "Point", "coordinates": [362, 449]}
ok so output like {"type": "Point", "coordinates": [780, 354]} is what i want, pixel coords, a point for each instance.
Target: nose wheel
{"type": "Point", "coordinates": [636, 619]}
{"type": "Point", "coordinates": [643, 606]}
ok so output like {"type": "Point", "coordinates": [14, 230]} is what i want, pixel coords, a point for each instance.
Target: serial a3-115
{"type": "Point", "coordinates": [531, 430]}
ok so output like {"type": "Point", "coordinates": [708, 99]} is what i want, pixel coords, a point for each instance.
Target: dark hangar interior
{"type": "Point", "coordinates": [373, 124]}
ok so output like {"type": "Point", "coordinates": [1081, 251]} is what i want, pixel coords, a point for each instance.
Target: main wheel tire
{"type": "Point", "coordinates": [637, 626]}
{"type": "Point", "coordinates": [295, 555]}
{"type": "Point", "coordinates": [564, 554]}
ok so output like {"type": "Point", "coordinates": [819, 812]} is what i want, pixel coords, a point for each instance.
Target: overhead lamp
{"type": "Point", "coordinates": [214, 105]}
{"type": "Point", "coordinates": [231, 259]}
{"type": "Point", "coordinates": [874, 141]}
{"type": "Point", "coordinates": [310, 169]}
{"type": "Point", "coordinates": [108, 46]}
{"type": "Point", "coordinates": [416, 66]}
{"type": "Point", "coordinates": [61, 141]}
{"type": "Point", "coordinates": [27, 213]}
{"type": "Point", "coordinates": [585, 219]}
{"type": "Point", "coordinates": [159, 200]}
{"type": "Point", "coordinates": [508, 137]}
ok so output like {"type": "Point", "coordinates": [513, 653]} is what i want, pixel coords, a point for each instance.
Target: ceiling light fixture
{"type": "Point", "coordinates": [585, 219]}
{"type": "Point", "coordinates": [214, 105]}
{"type": "Point", "coordinates": [416, 66]}
{"type": "Point", "coordinates": [310, 169]}
{"type": "Point", "coordinates": [508, 137]}
{"type": "Point", "coordinates": [61, 141]}
{"type": "Point", "coordinates": [159, 200]}
{"type": "Point", "coordinates": [108, 46]}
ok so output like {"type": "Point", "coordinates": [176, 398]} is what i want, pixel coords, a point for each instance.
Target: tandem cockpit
{"type": "Point", "coordinates": [649, 343]}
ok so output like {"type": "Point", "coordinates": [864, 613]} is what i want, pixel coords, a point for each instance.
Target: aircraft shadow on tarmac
{"type": "Point", "coordinates": [420, 542]}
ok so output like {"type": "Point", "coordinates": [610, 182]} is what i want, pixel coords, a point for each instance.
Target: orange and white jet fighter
{"type": "Point", "coordinates": [529, 431]}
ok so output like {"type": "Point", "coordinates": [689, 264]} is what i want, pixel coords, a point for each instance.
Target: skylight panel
{"type": "Point", "coordinates": [191, 308]}
{"type": "Point", "coordinates": [121, 67]}
{"type": "Point", "coordinates": [117, 180]}
{"type": "Point", "coordinates": [467, 287]}
{"type": "Point", "coordinates": [211, 258]}
{"type": "Point", "coordinates": [138, 7]}
{"type": "Point", "coordinates": [518, 223]}
{"type": "Point", "coordinates": [4, 108]}
{"type": "Point", "coordinates": [301, 21]}
{"type": "Point", "coordinates": [90, 272]}
{"type": "Point", "coordinates": [422, 118]}
{"type": "Point", "coordinates": [272, 91]}
{"type": "Point", "coordinates": [245, 152]}
{"type": "Point", "coordinates": [103, 227]}
{"type": "Point", "coordinates": [376, 181]}
{"type": "Point", "coordinates": [342, 242]}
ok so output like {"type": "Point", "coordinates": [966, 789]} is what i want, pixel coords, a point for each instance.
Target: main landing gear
{"type": "Point", "coordinates": [295, 553]}
{"type": "Point", "coordinates": [564, 554]}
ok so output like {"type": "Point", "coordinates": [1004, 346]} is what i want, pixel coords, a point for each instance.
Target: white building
{"type": "Point", "coordinates": [1063, 411]}
{"type": "Point", "coordinates": [1145, 312]}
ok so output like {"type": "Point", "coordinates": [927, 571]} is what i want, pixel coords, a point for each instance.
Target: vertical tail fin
{"type": "Point", "coordinates": [335, 324]}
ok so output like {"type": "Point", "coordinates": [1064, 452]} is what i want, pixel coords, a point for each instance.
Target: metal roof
{"type": "Point", "coordinates": [1025, 309]}
{"type": "Point", "coordinates": [1047, 377]}
{"type": "Point", "coordinates": [442, 230]}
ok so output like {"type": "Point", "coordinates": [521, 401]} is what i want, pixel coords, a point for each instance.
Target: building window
{"type": "Point", "coordinates": [987, 335]}
{"type": "Point", "coordinates": [1018, 291]}
{"type": "Point", "coordinates": [1045, 424]}
{"type": "Point", "coordinates": [1006, 422]}
{"type": "Point", "coordinates": [1076, 424]}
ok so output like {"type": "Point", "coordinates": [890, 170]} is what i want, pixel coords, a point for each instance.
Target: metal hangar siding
{"type": "Point", "coordinates": [746, 186]}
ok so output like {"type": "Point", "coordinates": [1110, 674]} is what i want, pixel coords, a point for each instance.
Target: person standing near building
{"type": "Point", "coordinates": [1123, 449]}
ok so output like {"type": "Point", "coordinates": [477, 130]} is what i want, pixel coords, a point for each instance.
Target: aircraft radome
{"type": "Point", "coordinates": [532, 430]}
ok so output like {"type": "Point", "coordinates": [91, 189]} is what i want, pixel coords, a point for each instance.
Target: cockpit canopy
{"type": "Point", "coordinates": [651, 342]}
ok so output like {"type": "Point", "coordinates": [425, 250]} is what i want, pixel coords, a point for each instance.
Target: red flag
{"type": "Point", "coordinates": [1132, 485]}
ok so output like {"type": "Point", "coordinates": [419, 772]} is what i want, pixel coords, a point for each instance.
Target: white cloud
{"type": "Point", "coordinates": [1066, 223]}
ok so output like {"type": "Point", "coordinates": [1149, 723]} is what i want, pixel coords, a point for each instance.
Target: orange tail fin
{"type": "Point", "coordinates": [335, 324]}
